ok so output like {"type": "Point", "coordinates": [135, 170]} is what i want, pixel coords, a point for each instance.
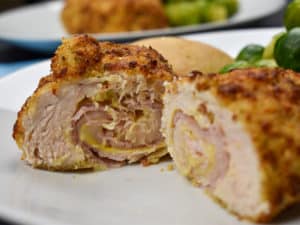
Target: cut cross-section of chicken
{"type": "Point", "coordinates": [100, 107]}
{"type": "Point", "coordinates": [237, 136]}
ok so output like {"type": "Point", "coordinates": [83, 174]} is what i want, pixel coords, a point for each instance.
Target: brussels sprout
{"type": "Point", "coordinates": [231, 5]}
{"type": "Point", "coordinates": [235, 65]}
{"type": "Point", "coordinates": [269, 49]}
{"type": "Point", "coordinates": [292, 15]}
{"type": "Point", "coordinates": [265, 63]}
{"type": "Point", "coordinates": [287, 50]}
{"type": "Point", "coordinates": [183, 13]}
{"type": "Point", "coordinates": [215, 12]}
{"type": "Point", "coordinates": [251, 53]}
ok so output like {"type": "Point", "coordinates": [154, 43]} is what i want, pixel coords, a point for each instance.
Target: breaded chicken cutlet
{"type": "Point", "coordinates": [99, 108]}
{"type": "Point", "coordinates": [103, 16]}
{"type": "Point", "coordinates": [236, 135]}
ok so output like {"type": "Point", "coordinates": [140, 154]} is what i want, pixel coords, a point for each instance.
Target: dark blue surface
{"type": "Point", "coordinates": [7, 68]}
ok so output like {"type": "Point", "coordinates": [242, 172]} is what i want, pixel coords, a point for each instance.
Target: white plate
{"type": "Point", "coordinates": [131, 195]}
{"type": "Point", "coordinates": [38, 27]}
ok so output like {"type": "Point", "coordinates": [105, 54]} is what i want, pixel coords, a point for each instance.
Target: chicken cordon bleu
{"type": "Point", "coordinates": [101, 16]}
{"type": "Point", "coordinates": [236, 136]}
{"type": "Point", "coordinates": [99, 108]}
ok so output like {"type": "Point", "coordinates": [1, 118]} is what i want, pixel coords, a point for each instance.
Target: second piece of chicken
{"type": "Point", "coordinates": [237, 136]}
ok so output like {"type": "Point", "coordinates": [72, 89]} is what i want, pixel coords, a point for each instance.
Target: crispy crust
{"type": "Point", "coordinates": [18, 130]}
{"type": "Point", "coordinates": [82, 57]}
{"type": "Point", "coordinates": [267, 102]}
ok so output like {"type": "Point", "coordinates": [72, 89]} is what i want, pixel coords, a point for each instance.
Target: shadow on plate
{"type": "Point", "coordinates": [289, 215]}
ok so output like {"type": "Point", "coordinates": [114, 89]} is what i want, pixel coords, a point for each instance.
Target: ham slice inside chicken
{"type": "Point", "coordinates": [202, 152]}
{"type": "Point", "coordinates": [120, 122]}
{"type": "Point", "coordinates": [101, 121]}
{"type": "Point", "coordinates": [115, 133]}
{"type": "Point", "coordinates": [214, 150]}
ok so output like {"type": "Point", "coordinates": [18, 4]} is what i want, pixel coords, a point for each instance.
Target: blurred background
{"type": "Point", "coordinates": [13, 57]}
{"type": "Point", "coordinates": [7, 4]}
{"type": "Point", "coordinates": [274, 20]}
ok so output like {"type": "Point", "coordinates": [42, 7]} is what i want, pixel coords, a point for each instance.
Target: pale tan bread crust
{"type": "Point", "coordinates": [186, 56]}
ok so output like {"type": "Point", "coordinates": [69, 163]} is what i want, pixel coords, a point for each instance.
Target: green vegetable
{"type": "Point", "coordinates": [231, 6]}
{"type": "Point", "coordinates": [292, 15]}
{"type": "Point", "coordinates": [184, 13]}
{"type": "Point", "coordinates": [265, 63]}
{"type": "Point", "coordinates": [235, 65]}
{"type": "Point", "coordinates": [215, 12]}
{"type": "Point", "coordinates": [187, 12]}
{"type": "Point", "coordinates": [287, 50]}
{"type": "Point", "coordinates": [251, 53]}
{"type": "Point", "coordinates": [269, 50]}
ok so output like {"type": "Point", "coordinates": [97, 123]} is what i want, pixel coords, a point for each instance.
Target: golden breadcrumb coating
{"type": "Point", "coordinates": [267, 102]}
{"type": "Point", "coordinates": [83, 57]}
{"type": "Point", "coordinates": [102, 16]}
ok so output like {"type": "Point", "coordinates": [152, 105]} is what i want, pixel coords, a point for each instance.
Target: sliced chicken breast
{"type": "Point", "coordinates": [100, 107]}
{"type": "Point", "coordinates": [237, 137]}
